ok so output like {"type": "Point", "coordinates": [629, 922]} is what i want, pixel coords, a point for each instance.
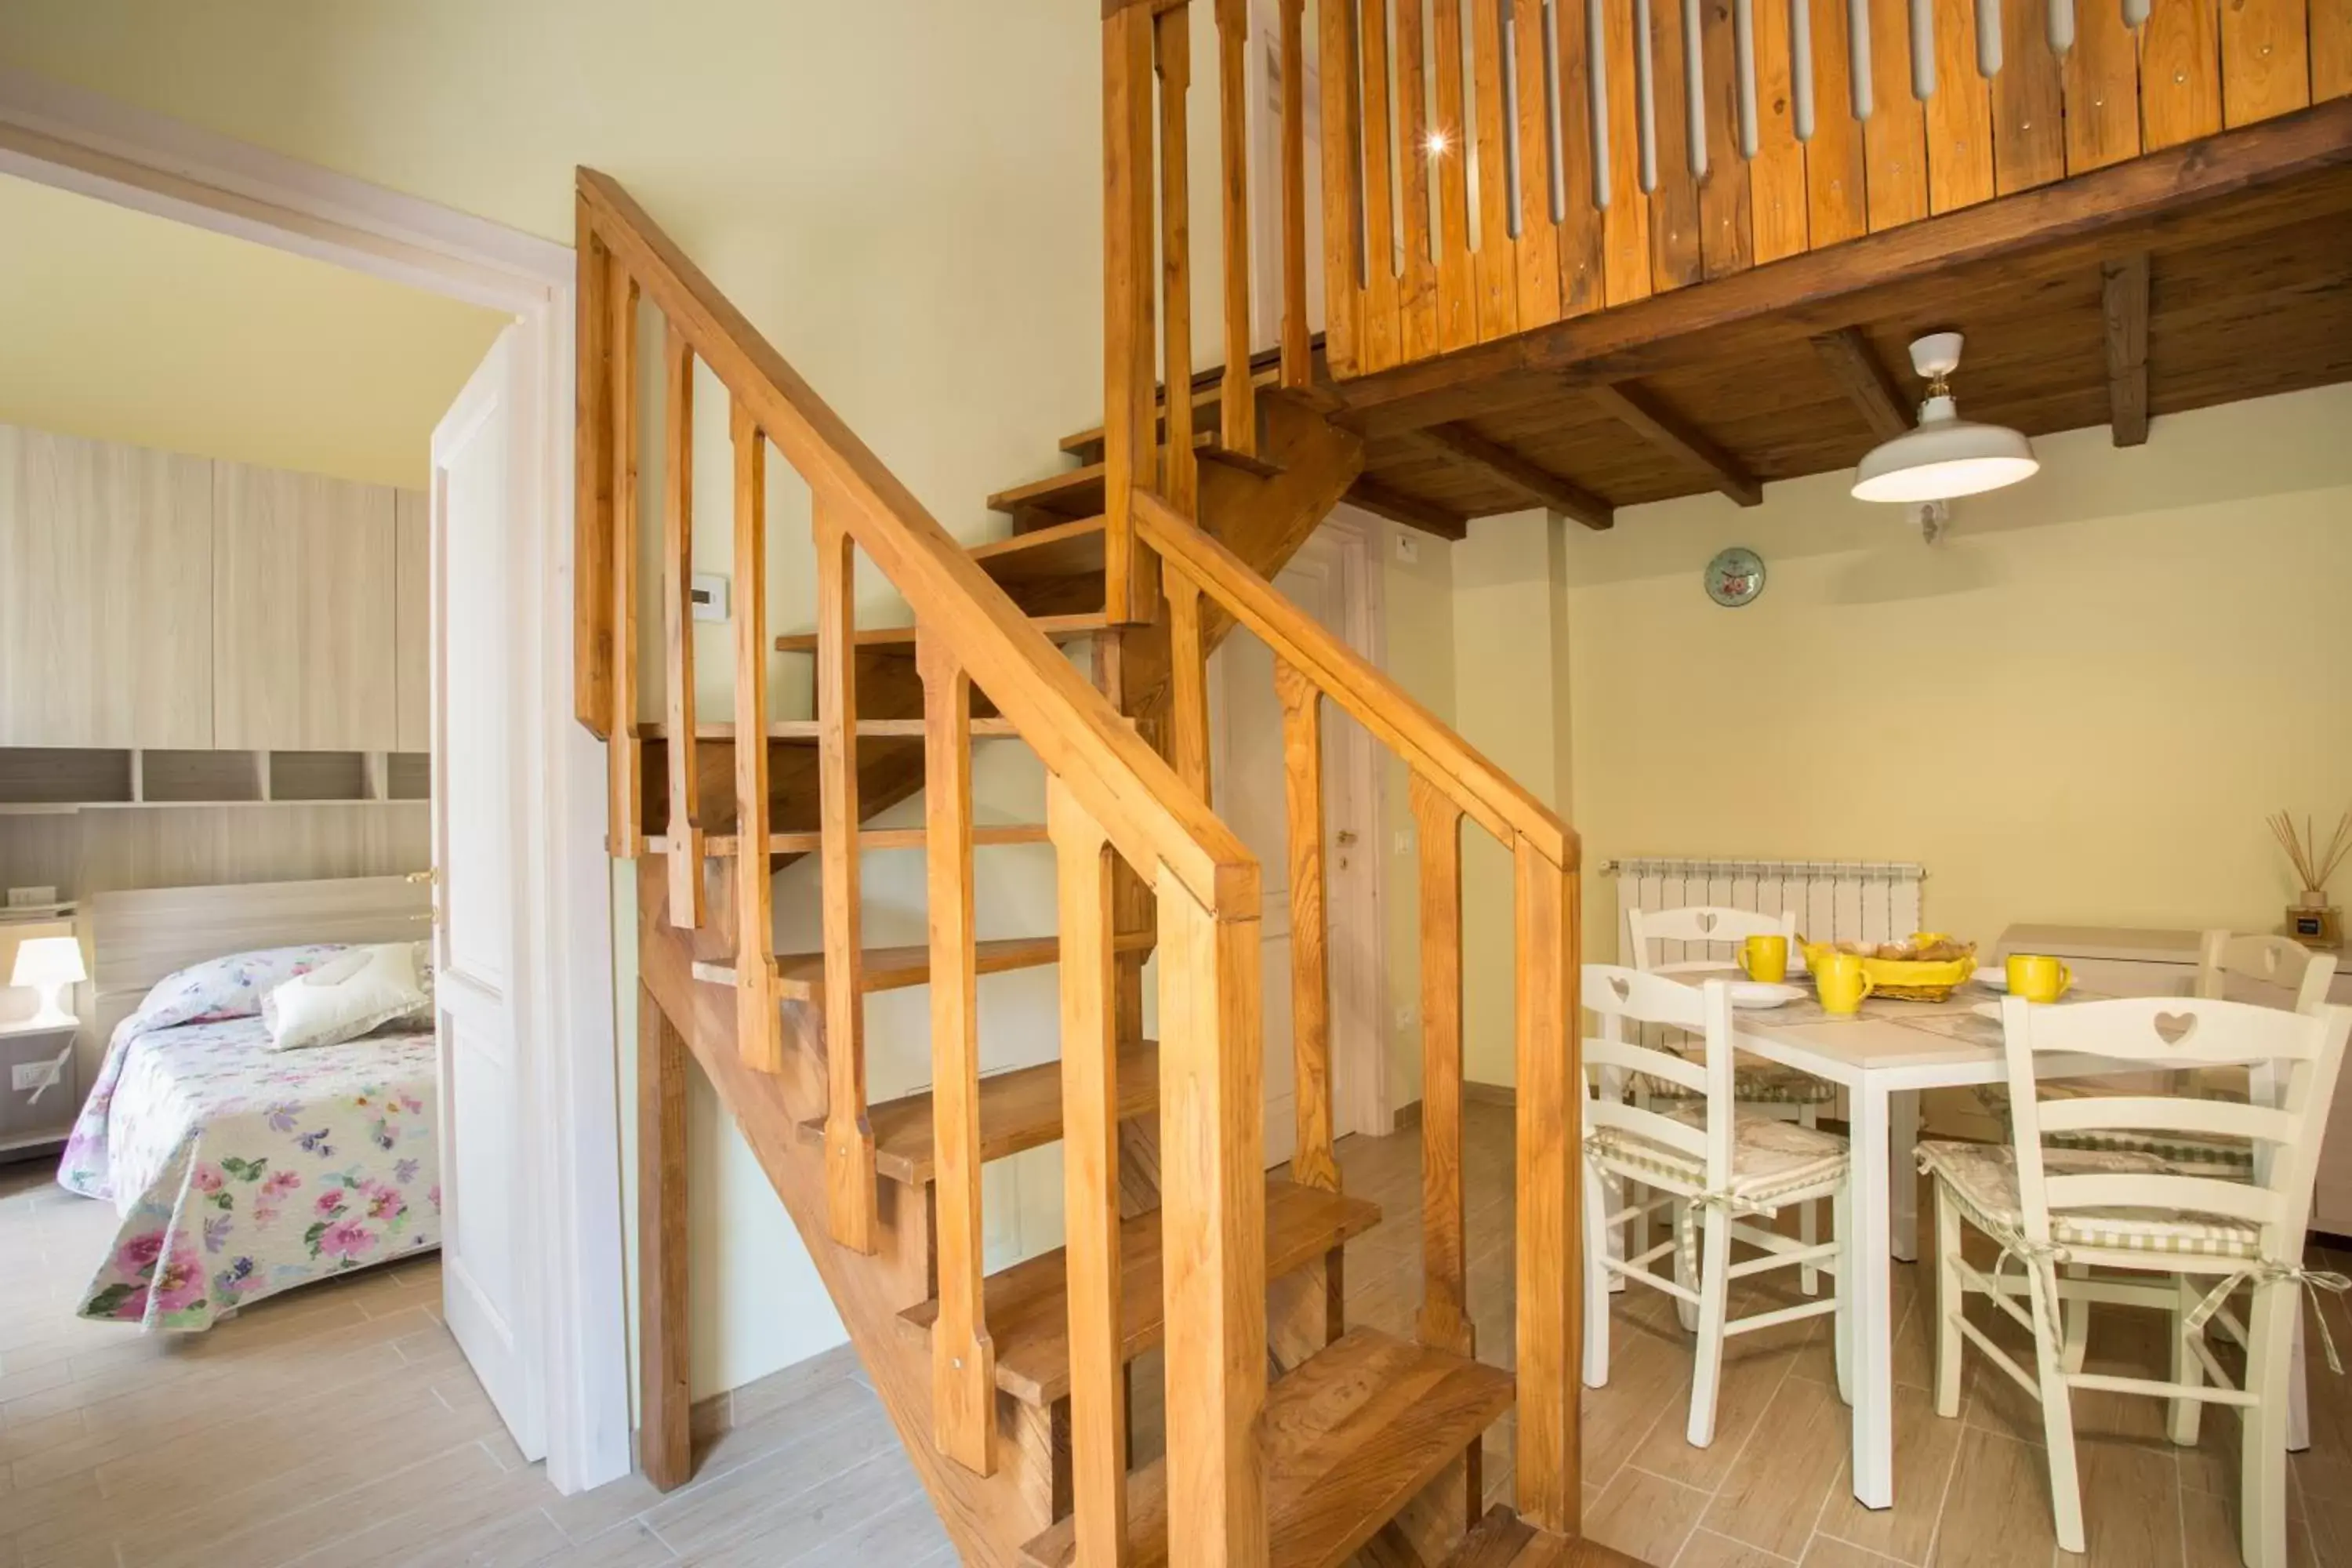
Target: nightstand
{"type": "Point", "coordinates": [27, 1058]}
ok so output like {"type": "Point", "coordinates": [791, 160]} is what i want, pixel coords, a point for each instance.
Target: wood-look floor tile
{"type": "Point", "coordinates": [1828, 1551]}
{"type": "Point", "coordinates": [1926, 1445]}
{"type": "Point", "coordinates": [715, 1510]}
{"type": "Point", "coordinates": [815, 1524]}
{"type": "Point", "coordinates": [1997, 1511]}
{"type": "Point", "coordinates": [627, 1545]}
{"type": "Point", "coordinates": [2131, 1504]}
{"type": "Point", "coordinates": [1645, 1516]}
{"type": "Point", "coordinates": [1752, 1374]}
{"type": "Point", "coordinates": [1773, 1493]}
{"type": "Point", "coordinates": [1706, 1549]}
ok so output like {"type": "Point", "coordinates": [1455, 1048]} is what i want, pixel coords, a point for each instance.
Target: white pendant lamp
{"type": "Point", "coordinates": [1946, 456]}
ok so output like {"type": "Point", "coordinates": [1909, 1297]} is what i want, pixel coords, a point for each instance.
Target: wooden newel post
{"type": "Point", "coordinates": [1550, 1468]}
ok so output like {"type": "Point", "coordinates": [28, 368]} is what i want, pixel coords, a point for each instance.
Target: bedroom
{"type": "Point", "coordinates": [218, 754]}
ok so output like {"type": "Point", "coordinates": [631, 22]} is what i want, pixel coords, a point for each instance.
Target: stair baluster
{"type": "Point", "coordinates": [626, 759]}
{"type": "Point", "coordinates": [1128, 589]}
{"type": "Point", "coordinates": [678, 628]}
{"type": "Point", "coordinates": [1312, 1164]}
{"type": "Point", "coordinates": [1297, 351]}
{"type": "Point", "coordinates": [850, 1196]}
{"type": "Point", "coordinates": [759, 1029]}
{"type": "Point", "coordinates": [1172, 48]}
{"type": "Point", "coordinates": [1237, 402]}
{"type": "Point", "coordinates": [1445, 1320]}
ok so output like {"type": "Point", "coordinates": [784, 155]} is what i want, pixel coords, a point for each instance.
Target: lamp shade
{"type": "Point", "coordinates": [1946, 456]}
{"type": "Point", "coordinates": [47, 961]}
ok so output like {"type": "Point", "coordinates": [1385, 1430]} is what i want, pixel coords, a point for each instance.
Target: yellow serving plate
{"type": "Point", "coordinates": [1907, 980]}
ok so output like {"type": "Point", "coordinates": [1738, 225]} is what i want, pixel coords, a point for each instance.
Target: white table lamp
{"type": "Point", "coordinates": [52, 963]}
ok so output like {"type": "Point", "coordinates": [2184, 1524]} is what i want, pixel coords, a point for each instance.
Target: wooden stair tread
{"type": "Point", "coordinates": [1027, 1305]}
{"type": "Point", "coordinates": [1065, 550]}
{"type": "Point", "coordinates": [1502, 1539]}
{"type": "Point", "coordinates": [805, 729]}
{"type": "Point", "coordinates": [1207, 392]}
{"type": "Point", "coordinates": [1349, 1438]}
{"type": "Point", "coordinates": [799, 977]}
{"type": "Point", "coordinates": [1018, 1110]}
{"type": "Point", "coordinates": [1078, 492]}
{"type": "Point", "coordinates": [1061, 629]}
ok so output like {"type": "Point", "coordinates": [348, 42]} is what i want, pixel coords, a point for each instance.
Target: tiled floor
{"type": "Point", "coordinates": [338, 1427]}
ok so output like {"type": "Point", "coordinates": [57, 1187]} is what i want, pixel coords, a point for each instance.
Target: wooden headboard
{"type": "Point", "coordinates": [138, 938]}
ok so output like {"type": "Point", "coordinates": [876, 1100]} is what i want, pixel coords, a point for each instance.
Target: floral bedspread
{"type": "Point", "coordinates": [241, 1172]}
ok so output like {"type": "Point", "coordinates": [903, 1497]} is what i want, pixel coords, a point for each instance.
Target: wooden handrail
{"type": "Point", "coordinates": [1483, 792]}
{"type": "Point", "coordinates": [1149, 814]}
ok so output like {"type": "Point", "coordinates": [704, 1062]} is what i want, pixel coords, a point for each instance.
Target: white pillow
{"type": "Point", "coordinates": [344, 999]}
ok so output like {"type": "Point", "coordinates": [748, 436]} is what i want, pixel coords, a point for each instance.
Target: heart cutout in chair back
{"type": "Point", "coordinates": [1622, 986]}
{"type": "Point", "coordinates": [2269, 962]}
{"type": "Point", "coordinates": [2174, 1027]}
{"type": "Point", "coordinates": [1706, 921]}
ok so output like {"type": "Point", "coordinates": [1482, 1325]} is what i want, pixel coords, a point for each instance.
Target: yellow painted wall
{"type": "Point", "coordinates": [125, 327]}
{"type": "Point", "coordinates": [2108, 675]}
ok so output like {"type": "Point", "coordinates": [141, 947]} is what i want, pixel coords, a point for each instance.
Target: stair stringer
{"type": "Point", "coordinates": [988, 1518]}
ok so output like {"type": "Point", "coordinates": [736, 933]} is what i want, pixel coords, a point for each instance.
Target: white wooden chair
{"type": "Point", "coordinates": [1713, 1163]}
{"type": "Point", "coordinates": [2129, 1214]}
{"type": "Point", "coordinates": [1765, 1087]}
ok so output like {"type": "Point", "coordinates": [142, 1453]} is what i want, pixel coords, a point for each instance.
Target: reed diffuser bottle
{"type": "Point", "coordinates": [2311, 919]}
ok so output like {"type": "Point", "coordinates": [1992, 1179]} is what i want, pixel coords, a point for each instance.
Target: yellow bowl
{"type": "Point", "coordinates": [1906, 978]}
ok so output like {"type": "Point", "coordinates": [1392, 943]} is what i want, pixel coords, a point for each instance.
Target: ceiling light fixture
{"type": "Point", "coordinates": [1946, 456]}
{"type": "Point", "coordinates": [1437, 143]}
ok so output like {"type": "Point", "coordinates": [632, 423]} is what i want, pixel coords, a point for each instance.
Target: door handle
{"type": "Point", "coordinates": [1346, 836]}
{"type": "Point", "coordinates": [429, 878]}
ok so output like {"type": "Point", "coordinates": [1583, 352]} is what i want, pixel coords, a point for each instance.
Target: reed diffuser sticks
{"type": "Point", "coordinates": [2312, 863]}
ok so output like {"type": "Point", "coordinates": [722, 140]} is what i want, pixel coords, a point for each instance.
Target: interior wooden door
{"type": "Point", "coordinates": [1247, 784]}
{"type": "Point", "coordinates": [491, 1292]}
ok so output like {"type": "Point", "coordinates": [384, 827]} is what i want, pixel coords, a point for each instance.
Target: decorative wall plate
{"type": "Point", "coordinates": [1735, 577]}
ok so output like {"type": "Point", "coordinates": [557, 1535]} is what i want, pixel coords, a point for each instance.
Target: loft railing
{"type": "Point", "coordinates": [1108, 792]}
{"type": "Point", "coordinates": [1492, 166]}
{"type": "Point", "coordinates": [1450, 780]}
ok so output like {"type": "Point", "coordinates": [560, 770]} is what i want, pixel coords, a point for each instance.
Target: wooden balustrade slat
{"type": "Point", "coordinates": [1298, 348]}
{"type": "Point", "coordinates": [1959, 114]}
{"type": "Point", "coordinates": [759, 1028]}
{"type": "Point", "coordinates": [1445, 1320]}
{"type": "Point", "coordinates": [1172, 53]}
{"type": "Point", "coordinates": [665, 1389]}
{"type": "Point", "coordinates": [1580, 234]}
{"type": "Point", "coordinates": [1090, 1168]}
{"type": "Point", "coordinates": [1188, 682]}
{"type": "Point", "coordinates": [1417, 297]}
{"type": "Point", "coordinates": [964, 1358]}
{"type": "Point", "coordinates": [2265, 67]}
{"type": "Point", "coordinates": [1836, 182]}
{"type": "Point", "coordinates": [1538, 246]}
{"type": "Point", "coordinates": [1343, 210]}
{"type": "Point", "coordinates": [1776, 175]}
{"type": "Point", "coordinates": [1548, 1158]}
{"type": "Point", "coordinates": [2029, 120]}
{"type": "Point", "coordinates": [851, 1198]}
{"type": "Point", "coordinates": [1483, 792]}
{"type": "Point", "coordinates": [1237, 405]}
{"type": "Point", "coordinates": [1312, 1164]}
{"type": "Point", "coordinates": [592, 488]}
{"type": "Point", "coordinates": [625, 754]}
{"type": "Point", "coordinates": [2181, 72]}
{"type": "Point", "coordinates": [1383, 343]}
{"type": "Point", "coordinates": [1457, 283]}
{"type": "Point", "coordinates": [1727, 226]}
{"type": "Point", "coordinates": [1675, 255]}
{"type": "Point", "coordinates": [2101, 77]}
{"type": "Point", "coordinates": [1625, 247]}
{"type": "Point", "coordinates": [1212, 1231]}
{"type": "Point", "coordinates": [2331, 50]}
{"type": "Point", "coordinates": [1895, 141]}
{"type": "Point", "coordinates": [1496, 264]}
{"type": "Point", "coordinates": [678, 627]}
{"type": "Point", "coordinates": [1128, 393]}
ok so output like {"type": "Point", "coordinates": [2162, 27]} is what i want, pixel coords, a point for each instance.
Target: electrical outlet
{"type": "Point", "coordinates": [1408, 548]}
{"type": "Point", "coordinates": [709, 591]}
{"type": "Point", "coordinates": [27, 1077]}
{"type": "Point", "coordinates": [1404, 841]}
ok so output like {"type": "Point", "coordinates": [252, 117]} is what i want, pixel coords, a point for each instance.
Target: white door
{"type": "Point", "coordinates": [1249, 787]}
{"type": "Point", "coordinates": [490, 1293]}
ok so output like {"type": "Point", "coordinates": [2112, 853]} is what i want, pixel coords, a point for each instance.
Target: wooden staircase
{"type": "Point", "coordinates": [1288, 1436]}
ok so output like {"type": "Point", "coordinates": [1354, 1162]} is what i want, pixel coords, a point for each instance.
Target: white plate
{"type": "Point", "coordinates": [1762, 993]}
{"type": "Point", "coordinates": [1994, 976]}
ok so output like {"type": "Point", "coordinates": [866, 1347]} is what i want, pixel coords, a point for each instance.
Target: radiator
{"type": "Point", "coordinates": [1833, 900]}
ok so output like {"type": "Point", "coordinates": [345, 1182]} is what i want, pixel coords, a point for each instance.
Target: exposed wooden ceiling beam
{"type": "Point", "coordinates": [1670, 433]}
{"type": "Point", "coordinates": [1625, 339]}
{"type": "Point", "coordinates": [1857, 367]}
{"type": "Point", "coordinates": [1498, 462]}
{"type": "Point", "coordinates": [2124, 300]}
{"type": "Point", "coordinates": [1411, 510]}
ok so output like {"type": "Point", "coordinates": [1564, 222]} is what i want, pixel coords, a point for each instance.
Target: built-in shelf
{"type": "Point", "coordinates": [40, 780]}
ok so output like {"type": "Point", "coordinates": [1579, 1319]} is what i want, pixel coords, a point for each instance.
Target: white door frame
{"type": "Point", "coordinates": [78, 140]}
{"type": "Point", "coordinates": [1347, 541]}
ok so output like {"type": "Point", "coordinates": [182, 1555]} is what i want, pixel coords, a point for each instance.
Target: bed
{"type": "Point", "coordinates": [239, 1172]}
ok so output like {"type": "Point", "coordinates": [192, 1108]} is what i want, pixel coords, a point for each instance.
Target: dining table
{"type": "Point", "coordinates": [1883, 1056]}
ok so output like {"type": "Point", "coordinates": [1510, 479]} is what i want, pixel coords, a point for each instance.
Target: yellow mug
{"type": "Point", "coordinates": [1765, 958]}
{"type": "Point", "coordinates": [2037, 978]}
{"type": "Point", "coordinates": [1841, 982]}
